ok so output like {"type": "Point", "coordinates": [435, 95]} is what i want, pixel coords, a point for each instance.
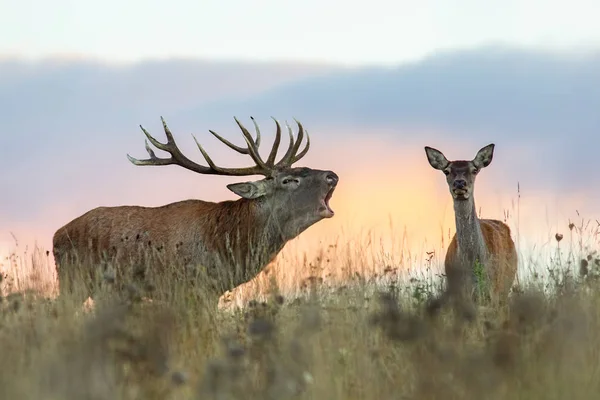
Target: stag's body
{"type": "Point", "coordinates": [232, 241]}
{"type": "Point", "coordinates": [482, 254]}
{"type": "Point", "coordinates": [185, 233]}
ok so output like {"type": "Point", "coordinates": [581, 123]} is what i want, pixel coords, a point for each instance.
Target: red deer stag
{"type": "Point", "coordinates": [232, 241]}
{"type": "Point", "coordinates": [482, 254]}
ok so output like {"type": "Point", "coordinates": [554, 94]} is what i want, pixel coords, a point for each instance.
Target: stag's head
{"type": "Point", "coordinates": [296, 197]}
{"type": "Point", "coordinates": [460, 174]}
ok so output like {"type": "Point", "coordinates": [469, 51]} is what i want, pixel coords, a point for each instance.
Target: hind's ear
{"type": "Point", "coordinates": [250, 190]}
{"type": "Point", "coordinates": [436, 158]}
{"type": "Point", "coordinates": [484, 156]}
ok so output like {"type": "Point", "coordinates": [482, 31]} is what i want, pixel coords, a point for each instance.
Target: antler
{"type": "Point", "coordinates": [261, 167]}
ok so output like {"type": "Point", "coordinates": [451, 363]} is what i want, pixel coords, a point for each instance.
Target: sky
{"type": "Point", "coordinates": [77, 79]}
{"type": "Point", "coordinates": [350, 32]}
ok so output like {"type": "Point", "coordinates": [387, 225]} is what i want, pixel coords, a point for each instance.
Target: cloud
{"type": "Point", "coordinates": [59, 103]}
{"type": "Point", "coordinates": [540, 105]}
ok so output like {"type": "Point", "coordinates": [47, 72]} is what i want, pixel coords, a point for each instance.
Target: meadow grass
{"type": "Point", "coordinates": [353, 327]}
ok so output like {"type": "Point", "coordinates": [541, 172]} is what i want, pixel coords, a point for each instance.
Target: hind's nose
{"type": "Point", "coordinates": [460, 184]}
{"type": "Point", "coordinates": [331, 178]}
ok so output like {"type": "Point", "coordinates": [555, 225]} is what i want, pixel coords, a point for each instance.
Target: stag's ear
{"type": "Point", "coordinates": [484, 156]}
{"type": "Point", "coordinates": [436, 158]}
{"type": "Point", "coordinates": [250, 190]}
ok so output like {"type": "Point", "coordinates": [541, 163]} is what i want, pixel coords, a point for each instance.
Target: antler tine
{"type": "Point", "coordinates": [209, 160]}
{"type": "Point", "coordinates": [305, 150]}
{"type": "Point", "coordinates": [156, 143]}
{"type": "Point", "coordinates": [252, 145]}
{"type": "Point", "coordinates": [232, 146]}
{"type": "Point", "coordinates": [242, 150]}
{"type": "Point", "coordinates": [298, 139]}
{"type": "Point", "coordinates": [291, 156]}
{"type": "Point", "coordinates": [230, 171]}
{"type": "Point", "coordinates": [273, 153]}
{"type": "Point", "coordinates": [154, 160]}
{"type": "Point", "coordinates": [287, 157]}
{"type": "Point", "coordinates": [257, 141]}
{"type": "Point", "coordinates": [170, 138]}
{"type": "Point", "coordinates": [149, 150]}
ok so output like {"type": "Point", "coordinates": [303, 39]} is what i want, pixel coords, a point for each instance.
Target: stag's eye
{"type": "Point", "coordinates": [475, 171]}
{"type": "Point", "coordinates": [446, 172]}
{"type": "Point", "coordinates": [290, 180]}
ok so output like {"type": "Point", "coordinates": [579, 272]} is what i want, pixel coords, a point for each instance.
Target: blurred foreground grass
{"type": "Point", "coordinates": [360, 338]}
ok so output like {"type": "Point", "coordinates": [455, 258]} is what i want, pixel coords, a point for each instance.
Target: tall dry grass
{"type": "Point", "coordinates": [351, 326]}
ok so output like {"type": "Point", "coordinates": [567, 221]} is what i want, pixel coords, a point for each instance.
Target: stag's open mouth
{"type": "Point", "coordinates": [326, 211]}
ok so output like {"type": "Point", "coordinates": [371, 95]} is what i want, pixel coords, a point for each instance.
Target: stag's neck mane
{"type": "Point", "coordinates": [469, 236]}
{"type": "Point", "coordinates": [249, 233]}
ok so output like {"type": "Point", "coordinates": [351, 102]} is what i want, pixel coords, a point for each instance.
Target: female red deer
{"type": "Point", "coordinates": [482, 251]}
{"type": "Point", "coordinates": [231, 241]}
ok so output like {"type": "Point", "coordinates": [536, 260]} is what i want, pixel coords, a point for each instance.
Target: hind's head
{"type": "Point", "coordinates": [460, 174]}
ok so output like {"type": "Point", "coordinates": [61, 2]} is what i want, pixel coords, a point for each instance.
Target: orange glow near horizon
{"type": "Point", "coordinates": [396, 197]}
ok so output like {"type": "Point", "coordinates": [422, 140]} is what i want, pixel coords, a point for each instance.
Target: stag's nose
{"type": "Point", "coordinates": [460, 184]}
{"type": "Point", "coordinates": [331, 178]}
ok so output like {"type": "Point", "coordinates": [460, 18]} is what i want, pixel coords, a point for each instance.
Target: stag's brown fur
{"type": "Point", "coordinates": [483, 242]}
{"type": "Point", "coordinates": [182, 232]}
{"type": "Point", "coordinates": [231, 241]}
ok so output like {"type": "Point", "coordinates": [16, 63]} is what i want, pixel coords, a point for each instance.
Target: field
{"type": "Point", "coordinates": [362, 334]}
